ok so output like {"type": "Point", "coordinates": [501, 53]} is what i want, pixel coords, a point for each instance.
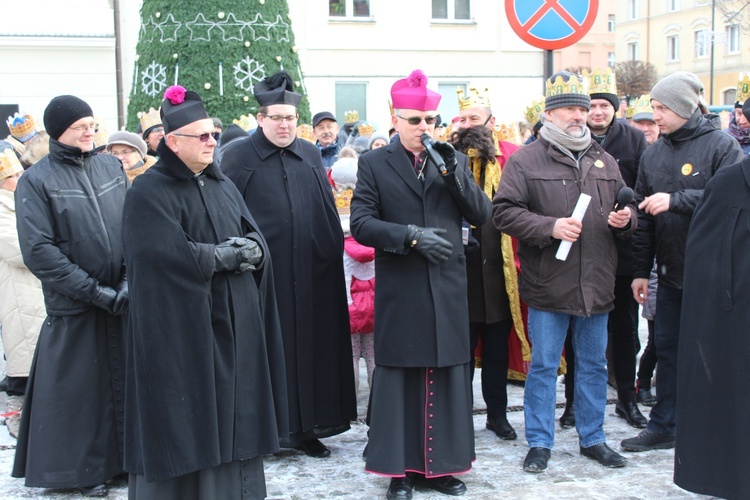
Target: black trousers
{"type": "Point", "coordinates": [648, 360]}
{"type": "Point", "coordinates": [494, 364]}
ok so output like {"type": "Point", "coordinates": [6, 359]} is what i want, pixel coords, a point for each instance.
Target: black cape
{"type": "Point", "coordinates": [205, 369]}
{"type": "Point", "coordinates": [713, 373]}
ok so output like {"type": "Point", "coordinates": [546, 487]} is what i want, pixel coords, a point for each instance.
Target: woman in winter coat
{"type": "Point", "coordinates": [21, 300]}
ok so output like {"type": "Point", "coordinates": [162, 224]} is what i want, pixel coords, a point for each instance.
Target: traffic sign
{"type": "Point", "coordinates": [551, 24]}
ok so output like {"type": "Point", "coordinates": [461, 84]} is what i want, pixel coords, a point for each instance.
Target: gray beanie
{"type": "Point", "coordinates": [680, 92]}
{"type": "Point", "coordinates": [566, 89]}
{"type": "Point", "coordinates": [128, 139]}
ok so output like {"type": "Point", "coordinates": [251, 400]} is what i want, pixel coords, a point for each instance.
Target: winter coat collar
{"type": "Point", "coordinates": [266, 148]}
{"type": "Point", "coordinates": [697, 125]}
{"type": "Point", "coordinates": [68, 154]}
{"type": "Point", "coordinates": [178, 169]}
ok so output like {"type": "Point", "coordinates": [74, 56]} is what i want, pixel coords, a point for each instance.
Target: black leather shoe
{"type": "Point", "coordinates": [604, 455]}
{"type": "Point", "coordinates": [400, 488]}
{"type": "Point", "coordinates": [568, 418]}
{"type": "Point", "coordinates": [536, 460]}
{"type": "Point", "coordinates": [502, 428]}
{"type": "Point", "coordinates": [314, 448]}
{"type": "Point", "coordinates": [630, 412]}
{"type": "Point", "coordinates": [646, 397]}
{"type": "Point", "coordinates": [99, 490]}
{"type": "Point", "coordinates": [447, 485]}
{"type": "Point", "coordinates": [648, 440]}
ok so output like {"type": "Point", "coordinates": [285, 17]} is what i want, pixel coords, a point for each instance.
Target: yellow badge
{"type": "Point", "coordinates": [599, 164]}
{"type": "Point", "coordinates": [687, 169]}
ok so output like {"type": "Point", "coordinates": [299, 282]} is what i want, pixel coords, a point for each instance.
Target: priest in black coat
{"type": "Point", "coordinates": [283, 182]}
{"type": "Point", "coordinates": [713, 373]}
{"type": "Point", "coordinates": [205, 391]}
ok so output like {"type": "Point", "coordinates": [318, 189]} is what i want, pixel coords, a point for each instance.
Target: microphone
{"type": "Point", "coordinates": [624, 196]}
{"type": "Point", "coordinates": [434, 156]}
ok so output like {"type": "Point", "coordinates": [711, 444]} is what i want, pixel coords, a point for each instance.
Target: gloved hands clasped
{"type": "Point", "coordinates": [448, 153]}
{"type": "Point", "coordinates": [429, 242]}
{"type": "Point", "coordinates": [114, 301]}
{"type": "Point", "coordinates": [237, 254]}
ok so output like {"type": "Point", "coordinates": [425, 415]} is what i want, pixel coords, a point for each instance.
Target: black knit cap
{"type": "Point", "coordinates": [746, 109]}
{"type": "Point", "coordinates": [62, 112]}
{"type": "Point", "coordinates": [276, 89]}
{"type": "Point", "coordinates": [181, 107]}
{"type": "Point", "coordinates": [613, 99]}
{"type": "Point", "coordinates": [560, 100]}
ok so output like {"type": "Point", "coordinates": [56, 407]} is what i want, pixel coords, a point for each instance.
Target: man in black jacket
{"type": "Point", "coordinates": [674, 171]}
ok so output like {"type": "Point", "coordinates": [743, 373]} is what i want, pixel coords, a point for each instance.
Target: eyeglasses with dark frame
{"type": "Point", "coordinates": [280, 118]}
{"type": "Point", "coordinates": [202, 137]}
{"type": "Point", "coordinates": [416, 120]}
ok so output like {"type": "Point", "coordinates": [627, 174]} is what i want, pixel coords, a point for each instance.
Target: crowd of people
{"type": "Point", "coordinates": [181, 300]}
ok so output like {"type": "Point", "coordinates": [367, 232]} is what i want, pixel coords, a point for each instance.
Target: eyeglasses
{"type": "Point", "coordinates": [202, 137]}
{"type": "Point", "coordinates": [416, 120]}
{"type": "Point", "coordinates": [121, 154]}
{"type": "Point", "coordinates": [279, 118]}
{"type": "Point", "coordinates": [94, 127]}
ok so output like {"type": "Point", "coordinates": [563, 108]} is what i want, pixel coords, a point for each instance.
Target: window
{"type": "Point", "coordinates": [632, 7]}
{"type": "Point", "coordinates": [449, 103]}
{"type": "Point", "coordinates": [733, 39]}
{"type": "Point", "coordinates": [673, 5]}
{"type": "Point", "coordinates": [729, 96]}
{"type": "Point", "coordinates": [349, 8]}
{"type": "Point", "coordinates": [611, 23]}
{"type": "Point", "coordinates": [451, 9]}
{"type": "Point", "coordinates": [673, 48]}
{"type": "Point", "coordinates": [702, 43]}
{"type": "Point", "coordinates": [633, 51]}
{"type": "Point", "coordinates": [611, 59]}
{"type": "Point", "coordinates": [351, 96]}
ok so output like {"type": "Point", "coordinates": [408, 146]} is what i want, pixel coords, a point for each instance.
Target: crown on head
{"type": "Point", "coordinates": [22, 127]}
{"type": "Point", "coordinates": [150, 119]}
{"type": "Point", "coordinates": [390, 107]}
{"type": "Point", "coordinates": [475, 99]}
{"type": "Point", "coordinates": [508, 133]}
{"type": "Point", "coordinates": [246, 123]}
{"type": "Point", "coordinates": [743, 88]}
{"type": "Point", "coordinates": [102, 136]}
{"type": "Point", "coordinates": [366, 129]}
{"type": "Point", "coordinates": [629, 112]}
{"type": "Point", "coordinates": [351, 116]}
{"type": "Point", "coordinates": [601, 82]}
{"type": "Point", "coordinates": [572, 86]}
{"type": "Point", "coordinates": [643, 105]}
{"type": "Point", "coordinates": [534, 111]}
{"type": "Point", "coordinates": [9, 164]}
{"type": "Point", "coordinates": [305, 132]}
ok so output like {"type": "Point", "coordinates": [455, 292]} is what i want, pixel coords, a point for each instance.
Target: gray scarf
{"type": "Point", "coordinates": [554, 135]}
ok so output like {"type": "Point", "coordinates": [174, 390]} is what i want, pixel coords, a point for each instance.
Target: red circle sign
{"type": "Point", "coordinates": [551, 24]}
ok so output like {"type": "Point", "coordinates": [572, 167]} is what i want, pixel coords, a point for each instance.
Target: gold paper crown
{"type": "Point", "coordinates": [390, 107]}
{"type": "Point", "coordinates": [743, 88]}
{"type": "Point", "coordinates": [601, 82]}
{"type": "Point", "coordinates": [474, 100]}
{"type": "Point", "coordinates": [150, 119]}
{"type": "Point", "coordinates": [21, 127]}
{"type": "Point", "coordinates": [9, 164]}
{"type": "Point", "coordinates": [572, 86]}
{"type": "Point", "coordinates": [643, 105]}
{"type": "Point", "coordinates": [366, 130]}
{"type": "Point", "coordinates": [305, 132]}
{"type": "Point", "coordinates": [534, 111]}
{"type": "Point", "coordinates": [629, 112]}
{"type": "Point", "coordinates": [102, 137]}
{"type": "Point", "coordinates": [508, 133]}
{"type": "Point", "coordinates": [351, 116]}
{"type": "Point", "coordinates": [246, 123]}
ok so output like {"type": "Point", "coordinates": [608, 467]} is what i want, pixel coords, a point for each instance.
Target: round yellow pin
{"type": "Point", "coordinates": [687, 169]}
{"type": "Point", "coordinates": [599, 164]}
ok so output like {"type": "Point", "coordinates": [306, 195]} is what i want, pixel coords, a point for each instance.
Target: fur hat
{"type": "Point", "coordinates": [680, 92]}
{"type": "Point", "coordinates": [128, 139]}
{"type": "Point", "coordinates": [62, 112]}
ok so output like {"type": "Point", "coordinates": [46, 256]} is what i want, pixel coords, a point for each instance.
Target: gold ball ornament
{"type": "Point", "coordinates": [175, 56]}
{"type": "Point", "coordinates": [158, 15]}
{"type": "Point", "coordinates": [221, 15]}
{"type": "Point", "coordinates": [245, 98]}
{"type": "Point", "coordinates": [247, 44]}
{"type": "Point", "coordinates": [278, 58]}
{"type": "Point", "coordinates": [207, 86]}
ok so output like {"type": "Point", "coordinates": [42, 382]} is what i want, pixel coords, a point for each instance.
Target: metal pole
{"type": "Point", "coordinates": [118, 68]}
{"type": "Point", "coordinates": [549, 68]}
{"type": "Point", "coordinates": [713, 40]}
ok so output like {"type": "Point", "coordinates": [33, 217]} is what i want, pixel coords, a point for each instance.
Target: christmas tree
{"type": "Point", "coordinates": [218, 49]}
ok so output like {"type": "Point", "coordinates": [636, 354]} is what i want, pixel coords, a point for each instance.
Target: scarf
{"type": "Point", "coordinates": [741, 134]}
{"type": "Point", "coordinates": [491, 175]}
{"type": "Point", "coordinates": [555, 136]}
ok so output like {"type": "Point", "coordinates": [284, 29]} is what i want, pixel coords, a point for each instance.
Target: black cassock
{"type": "Point", "coordinates": [713, 373]}
{"type": "Point", "coordinates": [205, 370]}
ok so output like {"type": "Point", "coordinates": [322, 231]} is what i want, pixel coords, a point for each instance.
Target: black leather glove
{"type": "Point", "coordinates": [472, 245]}
{"type": "Point", "coordinates": [122, 301]}
{"type": "Point", "coordinates": [104, 298]}
{"type": "Point", "coordinates": [448, 154]}
{"type": "Point", "coordinates": [429, 242]}
{"type": "Point", "coordinates": [237, 254]}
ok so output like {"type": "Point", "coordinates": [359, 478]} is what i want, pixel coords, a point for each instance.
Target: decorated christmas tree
{"type": "Point", "coordinates": [219, 49]}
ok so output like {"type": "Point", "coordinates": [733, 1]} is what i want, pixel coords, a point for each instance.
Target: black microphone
{"type": "Point", "coordinates": [624, 196]}
{"type": "Point", "coordinates": [426, 141]}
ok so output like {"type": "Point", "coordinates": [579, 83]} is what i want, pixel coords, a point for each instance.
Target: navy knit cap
{"type": "Point", "coordinates": [566, 89]}
{"type": "Point", "coordinates": [62, 112]}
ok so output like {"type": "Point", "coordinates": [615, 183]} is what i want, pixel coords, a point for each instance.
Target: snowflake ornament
{"type": "Point", "coordinates": [153, 79]}
{"type": "Point", "coordinates": [247, 73]}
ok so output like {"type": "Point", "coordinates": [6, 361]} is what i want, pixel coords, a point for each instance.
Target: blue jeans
{"type": "Point", "coordinates": [547, 331]}
{"type": "Point", "coordinates": [666, 338]}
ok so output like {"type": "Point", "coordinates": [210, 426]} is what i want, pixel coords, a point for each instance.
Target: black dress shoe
{"type": "Point", "coordinates": [400, 488]}
{"type": "Point", "coordinates": [314, 448]}
{"type": "Point", "coordinates": [648, 440]}
{"type": "Point", "coordinates": [630, 412]}
{"type": "Point", "coordinates": [502, 428]}
{"type": "Point", "coordinates": [99, 490]}
{"type": "Point", "coordinates": [646, 397]}
{"type": "Point", "coordinates": [568, 418]}
{"type": "Point", "coordinates": [536, 460]}
{"type": "Point", "coordinates": [447, 485]}
{"type": "Point", "coordinates": [604, 455]}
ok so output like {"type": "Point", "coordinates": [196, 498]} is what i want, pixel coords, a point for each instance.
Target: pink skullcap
{"type": "Point", "coordinates": [412, 93]}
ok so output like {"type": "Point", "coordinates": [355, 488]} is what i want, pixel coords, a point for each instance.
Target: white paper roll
{"type": "Point", "coordinates": [578, 212]}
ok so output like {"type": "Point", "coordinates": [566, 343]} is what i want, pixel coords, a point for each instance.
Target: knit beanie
{"type": "Point", "coordinates": [613, 99]}
{"type": "Point", "coordinates": [746, 109]}
{"type": "Point", "coordinates": [566, 89]}
{"type": "Point", "coordinates": [62, 112]}
{"type": "Point", "coordinates": [680, 92]}
{"type": "Point", "coordinates": [128, 139]}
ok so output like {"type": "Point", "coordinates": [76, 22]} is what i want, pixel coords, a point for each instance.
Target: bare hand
{"type": "Point", "coordinates": [619, 219]}
{"type": "Point", "coordinates": [568, 229]}
{"type": "Point", "coordinates": [640, 289]}
{"type": "Point", "coordinates": [656, 203]}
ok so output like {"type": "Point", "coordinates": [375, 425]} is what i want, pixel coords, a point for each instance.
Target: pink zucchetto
{"type": "Point", "coordinates": [412, 93]}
